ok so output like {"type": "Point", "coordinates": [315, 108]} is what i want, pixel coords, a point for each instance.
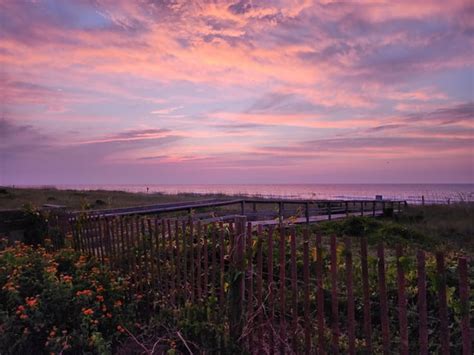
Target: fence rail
{"type": "Point", "coordinates": [282, 288]}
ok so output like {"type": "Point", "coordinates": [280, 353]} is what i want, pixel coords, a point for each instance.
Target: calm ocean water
{"type": "Point", "coordinates": [410, 192]}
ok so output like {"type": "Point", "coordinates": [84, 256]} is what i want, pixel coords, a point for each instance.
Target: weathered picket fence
{"type": "Point", "coordinates": [284, 289]}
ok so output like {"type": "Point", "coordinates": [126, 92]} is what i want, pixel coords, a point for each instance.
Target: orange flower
{"type": "Point", "coordinates": [32, 302]}
{"type": "Point", "coordinates": [88, 311]}
{"type": "Point", "coordinates": [108, 315]}
{"type": "Point", "coordinates": [84, 292]}
{"type": "Point", "coordinates": [24, 316]}
{"type": "Point", "coordinates": [118, 303]}
{"type": "Point", "coordinates": [67, 278]}
{"type": "Point", "coordinates": [100, 298]}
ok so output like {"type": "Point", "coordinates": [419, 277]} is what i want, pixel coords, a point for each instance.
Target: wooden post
{"type": "Point", "coordinates": [350, 297]}
{"type": "Point", "coordinates": [222, 265]}
{"type": "Point", "coordinates": [307, 212]}
{"type": "Point", "coordinates": [366, 295]}
{"type": "Point", "coordinates": [320, 294]}
{"type": "Point", "coordinates": [260, 287]}
{"type": "Point", "coordinates": [443, 305]}
{"type": "Point", "coordinates": [422, 200]}
{"type": "Point", "coordinates": [361, 208]}
{"type": "Point", "coordinates": [307, 323]}
{"type": "Point", "coordinates": [282, 293]}
{"type": "Point", "coordinates": [294, 290]}
{"type": "Point", "coordinates": [422, 308]}
{"type": "Point", "coordinates": [373, 208]}
{"type": "Point", "coordinates": [329, 210]}
{"type": "Point", "coordinates": [465, 309]}
{"type": "Point", "coordinates": [271, 288]}
{"type": "Point", "coordinates": [254, 207]}
{"type": "Point", "coordinates": [236, 298]}
{"type": "Point", "coordinates": [334, 297]}
{"type": "Point", "coordinates": [346, 205]}
{"type": "Point", "coordinates": [383, 300]}
{"type": "Point", "coordinates": [242, 208]}
{"type": "Point", "coordinates": [402, 304]}
{"type": "Point", "coordinates": [280, 212]}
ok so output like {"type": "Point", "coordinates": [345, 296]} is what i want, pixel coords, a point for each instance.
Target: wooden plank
{"type": "Point", "coordinates": [334, 297]}
{"type": "Point", "coordinates": [271, 295]}
{"type": "Point", "coordinates": [443, 304]}
{"type": "Point", "coordinates": [294, 290]}
{"type": "Point", "coordinates": [465, 308]}
{"type": "Point", "coordinates": [249, 282]}
{"type": "Point", "coordinates": [320, 294]}
{"type": "Point", "coordinates": [222, 265]}
{"type": "Point", "coordinates": [402, 303]}
{"type": "Point", "coordinates": [307, 323]}
{"type": "Point", "coordinates": [282, 291]}
{"type": "Point", "coordinates": [350, 296]}
{"type": "Point", "coordinates": [260, 287]}
{"type": "Point", "coordinates": [422, 307]}
{"type": "Point", "coordinates": [366, 295]}
{"type": "Point", "coordinates": [383, 300]}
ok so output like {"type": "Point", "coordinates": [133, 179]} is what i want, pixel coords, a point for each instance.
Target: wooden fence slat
{"type": "Point", "coordinates": [294, 290]}
{"type": "Point", "coordinates": [383, 300]}
{"type": "Point", "coordinates": [402, 303]}
{"type": "Point", "coordinates": [249, 282]}
{"type": "Point", "coordinates": [350, 296]}
{"type": "Point", "coordinates": [213, 257]}
{"type": "Point", "coordinates": [153, 258]}
{"type": "Point", "coordinates": [184, 241]}
{"type": "Point", "coordinates": [222, 265]}
{"type": "Point", "coordinates": [157, 252]}
{"type": "Point", "coordinates": [237, 285]}
{"type": "Point", "coordinates": [164, 261]}
{"type": "Point", "coordinates": [178, 256]}
{"type": "Point", "coordinates": [172, 270]}
{"type": "Point", "coordinates": [192, 265]}
{"type": "Point", "coordinates": [366, 295]}
{"type": "Point", "coordinates": [422, 307]}
{"type": "Point", "coordinates": [320, 294]}
{"type": "Point", "coordinates": [334, 297]}
{"type": "Point", "coordinates": [307, 323]}
{"type": "Point", "coordinates": [282, 293]}
{"type": "Point", "coordinates": [465, 308]}
{"type": "Point", "coordinates": [198, 261]}
{"type": "Point", "coordinates": [443, 306]}
{"type": "Point", "coordinates": [206, 263]}
{"type": "Point", "coordinates": [271, 290]}
{"type": "Point", "coordinates": [260, 287]}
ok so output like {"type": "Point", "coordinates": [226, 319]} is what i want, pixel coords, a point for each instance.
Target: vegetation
{"type": "Point", "coordinates": [13, 198]}
{"type": "Point", "coordinates": [435, 227]}
{"type": "Point", "coordinates": [64, 302]}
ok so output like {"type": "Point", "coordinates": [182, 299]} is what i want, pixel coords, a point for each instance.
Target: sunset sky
{"type": "Point", "coordinates": [280, 91]}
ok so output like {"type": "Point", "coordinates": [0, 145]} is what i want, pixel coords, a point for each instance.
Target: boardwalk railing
{"type": "Point", "coordinates": [282, 288]}
{"type": "Point", "coordinates": [260, 209]}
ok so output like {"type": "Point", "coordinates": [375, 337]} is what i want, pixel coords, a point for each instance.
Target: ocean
{"type": "Point", "coordinates": [433, 193]}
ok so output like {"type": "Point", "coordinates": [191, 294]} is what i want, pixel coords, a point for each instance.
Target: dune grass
{"type": "Point", "coordinates": [14, 198]}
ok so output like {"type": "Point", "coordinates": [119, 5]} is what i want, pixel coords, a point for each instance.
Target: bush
{"type": "Point", "coordinates": [61, 302]}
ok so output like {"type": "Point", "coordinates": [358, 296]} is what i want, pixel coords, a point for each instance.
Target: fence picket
{"type": "Point", "coordinates": [402, 303]}
{"type": "Point", "coordinates": [320, 293]}
{"type": "Point", "coordinates": [383, 300]}
{"type": "Point", "coordinates": [350, 296]}
{"type": "Point", "coordinates": [366, 295]}
{"type": "Point", "coordinates": [334, 297]}
{"type": "Point", "coordinates": [465, 308]}
{"type": "Point", "coordinates": [443, 306]}
{"type": "Point", "coordinates": [422, 307]}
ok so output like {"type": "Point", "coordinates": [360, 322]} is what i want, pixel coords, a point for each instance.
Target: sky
{"type": "Point", "coordinates": [279, 91]}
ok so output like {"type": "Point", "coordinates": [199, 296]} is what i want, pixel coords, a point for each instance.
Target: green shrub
{"type": "Point", "coordinates": [61, 302]}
